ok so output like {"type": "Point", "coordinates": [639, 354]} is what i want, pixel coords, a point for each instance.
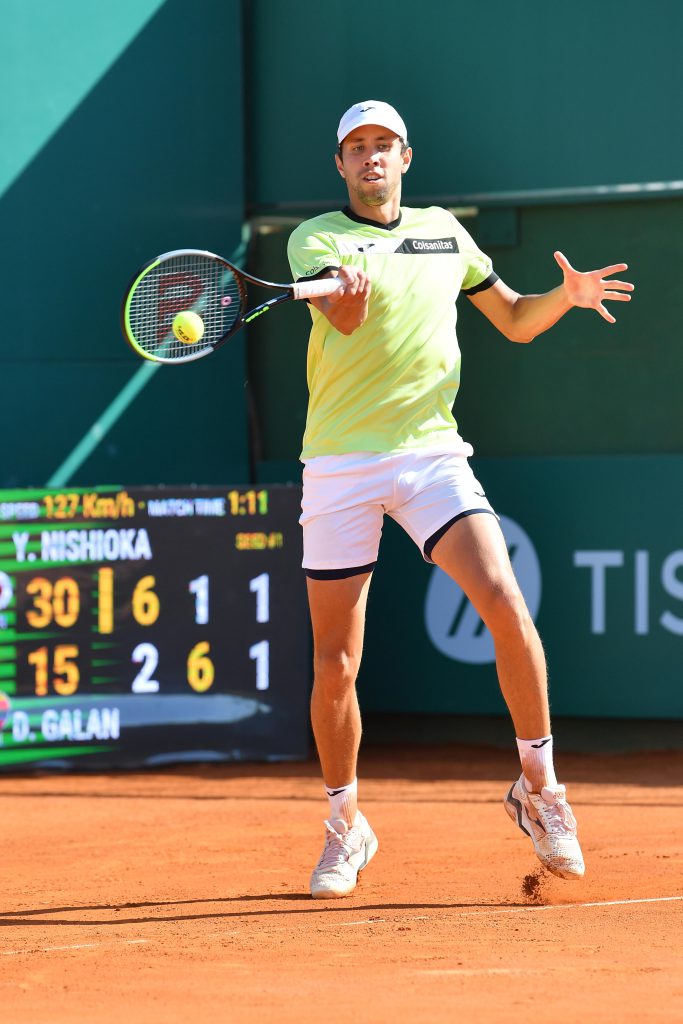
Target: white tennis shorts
{"type": "Point", "coordinates": [346, 497]}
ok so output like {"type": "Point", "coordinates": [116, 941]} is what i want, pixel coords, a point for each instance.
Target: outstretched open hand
{"type": "Point", "coordinates": [590, 289]}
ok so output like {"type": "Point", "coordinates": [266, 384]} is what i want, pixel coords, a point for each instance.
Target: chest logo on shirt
{"type": "Point", "coordinates": [428, 245]}
{"type": "Point", "coordinates": [410, 246]}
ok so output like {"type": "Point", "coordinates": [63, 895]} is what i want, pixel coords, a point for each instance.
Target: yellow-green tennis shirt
{"type": "Point", "coordinates": [391, 384]}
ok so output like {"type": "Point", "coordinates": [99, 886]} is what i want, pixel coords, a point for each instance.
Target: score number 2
{"type": "Point", "coordinates": [200, 668]}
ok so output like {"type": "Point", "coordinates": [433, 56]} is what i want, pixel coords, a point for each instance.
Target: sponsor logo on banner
{"type": "Point", "coordinates": [452, 623]}
{"type": "Point", "coordinates": [631, 572]}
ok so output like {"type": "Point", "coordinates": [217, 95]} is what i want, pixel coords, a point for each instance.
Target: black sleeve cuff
{"type": "Point", "coordinates": [482, 287]}
{"type": "Point", "coordinates": [314, 277]}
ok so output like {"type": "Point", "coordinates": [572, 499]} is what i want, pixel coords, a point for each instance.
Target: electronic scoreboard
{"type": "Point", "coordinates": [151, 625]}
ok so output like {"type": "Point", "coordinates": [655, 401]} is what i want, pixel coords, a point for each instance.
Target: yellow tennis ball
{"type": "Point", "coordinates": [188, 327]}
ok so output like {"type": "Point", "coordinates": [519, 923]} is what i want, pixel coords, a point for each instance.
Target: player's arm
{"type": "Point", "coordinates": [347, 308]}
{"type": "Point", "coordinates": [523, 317]}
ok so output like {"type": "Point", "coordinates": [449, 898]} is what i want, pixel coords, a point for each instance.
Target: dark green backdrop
{"type": "Point", "coordinates": [121, 152]}
{"type": "Point", "coordinates": [497, 96]}
{"type": "Point", "coordinates": [145, 125]}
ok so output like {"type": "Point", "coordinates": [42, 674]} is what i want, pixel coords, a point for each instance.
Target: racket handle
{"type": "Point", "coordinates": [314, 289]}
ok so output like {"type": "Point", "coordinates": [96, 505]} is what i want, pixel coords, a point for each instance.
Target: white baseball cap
{"type": "Point", "coordinates": [371, 112]}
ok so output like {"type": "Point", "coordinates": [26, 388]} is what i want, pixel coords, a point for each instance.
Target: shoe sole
{"type": "Point", "coordinates": [515, 811]}
{"type": "Point", "coordinates": [371, 847]}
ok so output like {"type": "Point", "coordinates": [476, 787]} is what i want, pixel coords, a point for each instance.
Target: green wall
{"type": "Point", "coordinates": [113, 152]}
{"type": "Point", "coordinates": [131, 128]}
{"type": "Point", "coordinates": [586, 386]}
{"type": "Point", "coordinates": [117, 145]}
{"type": "Point", "coordinates": [497, 96]}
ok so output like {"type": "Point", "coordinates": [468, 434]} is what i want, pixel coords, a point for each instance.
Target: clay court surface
{"type": "Point", "coordinates": [182, 896]}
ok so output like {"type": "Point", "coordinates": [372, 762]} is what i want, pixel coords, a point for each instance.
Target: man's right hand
{"type": "Point", "coordinates": [347, 308]}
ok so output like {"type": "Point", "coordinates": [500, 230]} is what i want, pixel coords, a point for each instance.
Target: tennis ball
{"type": "Point", "coordinates": [188, 327]}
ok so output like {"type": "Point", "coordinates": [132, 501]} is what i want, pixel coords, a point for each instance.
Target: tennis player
{"type": "Point", "coordinates": [383, 373]}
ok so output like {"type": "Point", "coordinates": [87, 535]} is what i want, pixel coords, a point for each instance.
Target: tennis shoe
{"type": "Point", "coordinates": [347, 851]}
{"type": "Point", "coordinates": [547, 819]}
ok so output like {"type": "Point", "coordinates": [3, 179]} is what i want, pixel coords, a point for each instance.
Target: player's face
{"type": "Point", "coordinates": [372, 164]}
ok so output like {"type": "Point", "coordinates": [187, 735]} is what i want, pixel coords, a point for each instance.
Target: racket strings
{"type": "Point", "coordinates": [186, 282]}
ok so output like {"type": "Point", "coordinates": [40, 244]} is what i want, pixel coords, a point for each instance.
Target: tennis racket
{"type": "Point", "coordinates": [194, 281]}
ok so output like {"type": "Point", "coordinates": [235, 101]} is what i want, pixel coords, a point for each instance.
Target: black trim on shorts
{"type": "Point", "coordinates": [430, 543]}
{"type": "Point", "coordinates": [482, 286]}
{"type": "Point", "coordinates": [338, 574]}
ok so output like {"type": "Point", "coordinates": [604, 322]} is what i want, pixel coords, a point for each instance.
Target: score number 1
{"type": "Point", "coordinates": [260, 652]}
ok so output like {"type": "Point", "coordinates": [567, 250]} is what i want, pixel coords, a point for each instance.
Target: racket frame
{"type": "Point", "coordinates": [296, 290]}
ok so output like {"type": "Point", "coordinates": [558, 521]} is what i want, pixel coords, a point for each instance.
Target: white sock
{"type": "Point", "coordinates": [343, 802]}
{"type": "Point", "coordinates": [537, 762]}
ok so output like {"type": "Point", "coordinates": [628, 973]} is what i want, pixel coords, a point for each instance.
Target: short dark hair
{"type": "Point", "coordinates": [404, 146]}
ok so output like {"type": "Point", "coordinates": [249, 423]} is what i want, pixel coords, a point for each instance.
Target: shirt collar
{"type": "Point", "coordinates": [348, 212]}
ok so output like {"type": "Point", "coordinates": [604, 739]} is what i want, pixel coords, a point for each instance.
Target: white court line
{"type": "Point", "coordinates": [79, 945]}
{"type": "Point", "coordinates": [478, 971]}
{"type": "Point", "coordinates": [370, 920]}
{"type": "Point", "coordinates": [568, 906]}
{"type": "Point", "coordinates": [384, 920]}
{"type": "Point", "coordinates": [511, 910]}
{"type": "Point", "coordinates": [374, 920]}
{"type": "Point", "coordinates": [50, 949]}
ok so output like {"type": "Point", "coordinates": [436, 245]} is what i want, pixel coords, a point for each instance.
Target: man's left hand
{"type": "Point", "coordinates": [590, 290]}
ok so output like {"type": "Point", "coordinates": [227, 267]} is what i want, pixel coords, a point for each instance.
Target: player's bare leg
{"type": "Point", "coordinates": [338, 618]}
{"type": "Point", "coordinates": [473, 552]}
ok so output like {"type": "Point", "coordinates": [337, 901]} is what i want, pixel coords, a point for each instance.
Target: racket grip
{"type": "Point", "coordinates": [314, 289]}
